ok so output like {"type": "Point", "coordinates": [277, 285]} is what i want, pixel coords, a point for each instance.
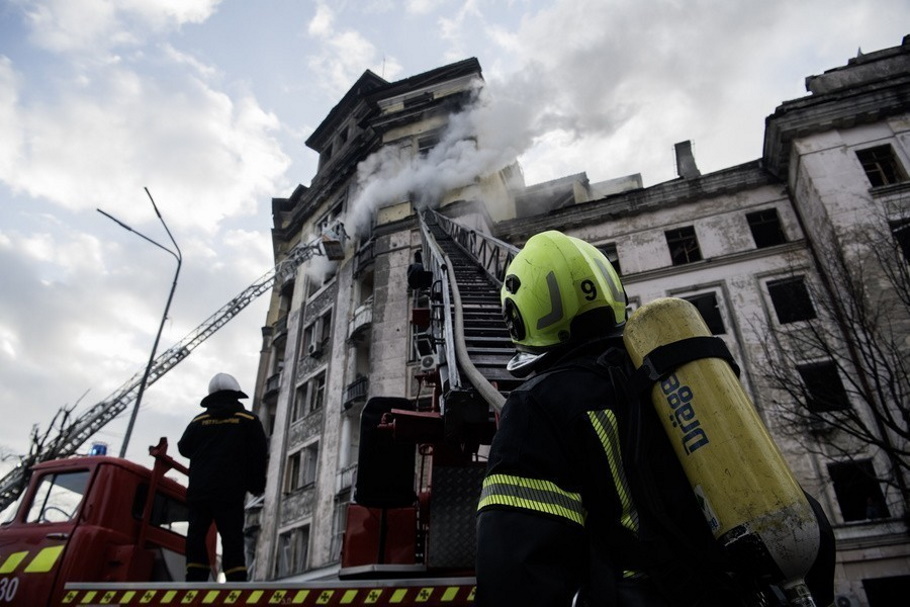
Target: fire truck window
{"type": "Point", "coordinates": [58, 497]}
{"type": "Point", "coordinates": [167, 512]}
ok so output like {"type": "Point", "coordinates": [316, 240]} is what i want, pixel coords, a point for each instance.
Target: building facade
{"type": "Point", "coordinates": [768, 251]}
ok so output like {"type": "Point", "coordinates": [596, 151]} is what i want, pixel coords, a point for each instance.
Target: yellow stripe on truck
{"type": "Point", "coordinates": [12, 561]}
{"type": "Point", "coordinates": [45, 560]}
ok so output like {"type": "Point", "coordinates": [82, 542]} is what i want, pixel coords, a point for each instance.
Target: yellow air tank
{"type": "Point", "coordinates": [753, 504]}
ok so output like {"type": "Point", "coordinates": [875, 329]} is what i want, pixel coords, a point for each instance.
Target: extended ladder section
{"type": "Point", "coordinates": [77, 433]}
{"type": "Point", "coordinates": [425, 524]}
{"type": "Point", "coordinates": [469, 268]}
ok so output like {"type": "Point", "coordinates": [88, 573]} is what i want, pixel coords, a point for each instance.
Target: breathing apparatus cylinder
{"type": "Point", "coordinates": [747, 492]}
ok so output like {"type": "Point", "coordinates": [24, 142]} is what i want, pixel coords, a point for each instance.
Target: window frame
{"type": "Point", "coordinates": [823, 387]}
{"type": "Point", "coordinates": [309, 465]}
{"type": "Point", "coordinates": [855, 484]}
{"type": "Point", "coordinates": [881, 165]}
{"type": "Point", "coordinates": [718, 301]}
{"type": "Point", "coordinates": [900, 231]}
{"type": "Point", "coordinates": [56, 492]}
{"type": "Point", "coordinates": [786, 314]}
{"type": "Point", "coordinates": [293, 550]}
{"type": "Point", "coordinates": [685, 237]}
{"type": "Point", "coordinates": [298, 409]}
{"type": "Point", "coordinates": [293, 466]}
{"type": "Point", "coordinates": [316, 390]}
{"type": "Point", "coordinates": [766, 228]}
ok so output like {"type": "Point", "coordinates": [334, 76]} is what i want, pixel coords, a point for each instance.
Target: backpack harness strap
{"type": "Point", "coordinates": [663, 360]}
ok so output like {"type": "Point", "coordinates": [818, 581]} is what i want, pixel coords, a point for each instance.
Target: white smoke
{"type": "Point", "coordinates": [487, 136]}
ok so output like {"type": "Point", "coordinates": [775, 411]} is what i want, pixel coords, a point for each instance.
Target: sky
{"type": "Point", "coordinates": [207, 105]}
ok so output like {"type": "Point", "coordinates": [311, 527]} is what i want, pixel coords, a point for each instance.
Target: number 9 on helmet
{"type": "Point", "coordinates": [559, 290]}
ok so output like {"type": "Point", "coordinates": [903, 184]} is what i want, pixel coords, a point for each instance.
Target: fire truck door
{"type": "Point", "coordinates": [30, 563]}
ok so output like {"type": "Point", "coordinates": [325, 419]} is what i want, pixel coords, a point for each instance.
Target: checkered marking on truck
{"type": "Point", "coordinates": [426, 596]}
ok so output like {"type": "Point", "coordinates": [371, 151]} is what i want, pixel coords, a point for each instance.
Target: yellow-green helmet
{"type": "Point", "coordinates": [552, 281]}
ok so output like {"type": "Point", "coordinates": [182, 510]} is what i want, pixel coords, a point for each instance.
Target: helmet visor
{"type": "Point", "coordinates": [523, 363]}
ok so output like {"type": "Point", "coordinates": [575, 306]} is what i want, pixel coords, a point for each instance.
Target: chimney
{"type": "Point", "coordinates": [685, 161]}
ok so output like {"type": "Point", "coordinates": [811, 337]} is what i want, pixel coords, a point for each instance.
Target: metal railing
{"type": "Point", "coordinates": [363, 316]}
{"type": "Point", "coordinates": [356, 390]}
{"type": "Point", "coordinates": [493, 254]}
{"type": "Point", "coordinates": [441, 316]}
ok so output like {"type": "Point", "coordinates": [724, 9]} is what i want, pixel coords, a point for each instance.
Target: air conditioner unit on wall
{"type": "Point", "coordinates": [428, 362]}
{"type": "Point", "coordinates": [314, 350]}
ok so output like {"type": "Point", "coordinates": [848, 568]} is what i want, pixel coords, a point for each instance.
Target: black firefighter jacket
{"type": "Point", "coordinates": [227, 449]}
{"type": "Point", "coordinates": [583, 491]}
{"type": "Point", "coordinates": [557, 511]}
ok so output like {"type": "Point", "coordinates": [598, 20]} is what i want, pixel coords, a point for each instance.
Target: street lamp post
{"type": "Point", "coordinates": [148, 368]}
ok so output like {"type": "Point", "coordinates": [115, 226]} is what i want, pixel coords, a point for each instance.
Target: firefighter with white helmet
{"type": "Point", "coordinates": [227, 449]}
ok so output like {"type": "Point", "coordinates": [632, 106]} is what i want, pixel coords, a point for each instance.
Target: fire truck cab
{"type": "Point", "coordinates": [94, 518]}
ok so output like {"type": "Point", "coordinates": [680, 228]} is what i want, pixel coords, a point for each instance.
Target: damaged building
{"type": "Point", "coordinates": [761, 249]}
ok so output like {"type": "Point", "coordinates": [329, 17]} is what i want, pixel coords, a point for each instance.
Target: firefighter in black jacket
{"type": "Point", "coordinates": [227, 450]}
{"type": "Point", "coordinates": [562, 515]}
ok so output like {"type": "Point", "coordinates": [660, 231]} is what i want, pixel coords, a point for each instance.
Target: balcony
{"type": "Point", "coordinates": [270, 393]}
{"type": "Point", "coordinates": [362, 318]}
{"type": "Point", "coordinates": [356, 391]}
{"type": "Point", "coordinates": [364, 257]}
{"type": "Point", "coordinates": [344, 480]}
{"type": "Point", "coordinates": [281, 326]}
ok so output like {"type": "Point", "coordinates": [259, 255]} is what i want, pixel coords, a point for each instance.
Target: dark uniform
{"type": "Point", "coordinates": [557, 499]}
{"type": "Point", "coordinates": [558, 516]}
{"type": "Point", "coordinates": [227, 450]}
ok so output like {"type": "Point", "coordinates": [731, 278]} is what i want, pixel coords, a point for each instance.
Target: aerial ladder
{"type": "Point", "coordinates": [74, 435]}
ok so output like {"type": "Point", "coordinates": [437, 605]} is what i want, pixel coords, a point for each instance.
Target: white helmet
{"type": "Point", "coordinates": [222, 382]}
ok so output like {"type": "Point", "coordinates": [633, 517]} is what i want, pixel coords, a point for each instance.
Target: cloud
{"type": "Point", "coordinates": [98, 144]}
{"type": "Point", "coordinates": [618, 96]}
{"type": "Point", "coordinates": [11, 143]}
{"type": "Point", "coordinates": [423, 7]}
{"type": "Point", "coordinates": [93, 26]}
{"type": "Point", "coordinates": [84, 128]}
{"type": "Point", "coordinates": [343, 54]}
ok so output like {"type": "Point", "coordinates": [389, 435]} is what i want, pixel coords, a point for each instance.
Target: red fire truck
{"type": "Point", "coordinates": [101, 530]}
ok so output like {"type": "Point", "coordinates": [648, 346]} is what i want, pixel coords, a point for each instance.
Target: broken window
{"type": "Point", "coordinates": [299, 406]}
{"type": "Point", "coordinates": [683, 245]}
{"type": "Point", "coordinates": [310, 460]}
{"type": "Point", "coordinates": [709, 310]}
{"type": "Point", "coordinates": [292, 472]}
{"type": "Point", "coordinates": [325, 328]}
{"type": "Point", "coordinates": [292, 551]}
{"type": "Point", "coordinates": [824, 390]}
{"type": "Point", "coordinates": [425, 144]}
{"type": "Point", "coordinates": [316, 392]}
{"type": "Point", "coordinates": [791, 300]}
{"type": "Point", "coordinates": [858, 493]}
{"type": "Point", "coordinates": [901, 231]}
{"type": "Point", "coordinates": [881, 165]}
{"type": "Point", "coordinates": [766, 228]}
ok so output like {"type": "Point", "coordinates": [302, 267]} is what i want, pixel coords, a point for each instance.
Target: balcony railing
{"type": "Point", "coordinates": [364, 257]}
{"type": "Point", "coordinates": [356, 391]}
{"type": "Point", "coordinates": [363, 317]}
{"type": "Point", "coordinates": [344, 480]}
{"type": "Point", "coordinates": [281, 325]}
{"type": "Point", "coordinates": [271, 386]}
